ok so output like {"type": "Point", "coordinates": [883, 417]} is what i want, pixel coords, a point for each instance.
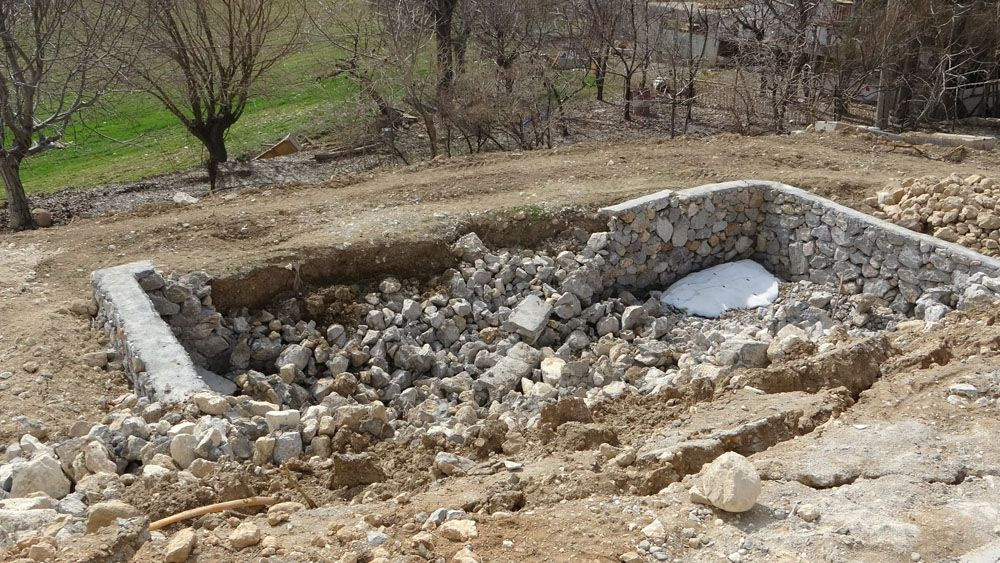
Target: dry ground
{"type": "Point", "coordinates": [43, 272]}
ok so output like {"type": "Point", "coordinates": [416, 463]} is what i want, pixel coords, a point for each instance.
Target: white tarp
{"type": "Point", "coordinates": [734, 285]}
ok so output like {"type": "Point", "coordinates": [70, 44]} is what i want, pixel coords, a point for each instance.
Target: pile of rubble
{"type": "Point", "coordinates": [471, 363]}
{"type": "Point", "coordinates": [961, 210]}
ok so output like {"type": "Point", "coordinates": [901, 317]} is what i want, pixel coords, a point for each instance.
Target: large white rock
{"type": "Point", "coordinates": [790, 342]}
{"type": "Point", "coordinates": [282, 420]}
{"type": "Point", "coordinates": [452, 464]}
{"type": "Point", "coordinates": [469, 247]}
{"type": "Point", "coordinates": [245, 535]}
{"type": "Point", "coordinates": [530, 316]}
{"type": "Point", "coordinates": [735, 285]}
{"type": "Point", "coordinates": [180, 546]}
{"type": "Point", "coordinates": [459, 530]}
{"type": "Point", "coordinates": [743, 352]}
{"type": "Point", "coordinates": [730, 482]}
{"type": "Point", "coordinates": [210, 403]}
{"type": "Point", "coordinates": [43, 473]}
{"type": "Point", "coordinates": [182, 448]}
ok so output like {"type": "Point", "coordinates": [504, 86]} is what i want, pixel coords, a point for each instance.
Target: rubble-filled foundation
{"type": "Point", "coordinates": [531, 301]}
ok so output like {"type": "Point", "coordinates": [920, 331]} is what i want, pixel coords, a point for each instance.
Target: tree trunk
{"type": "Point", "coordinates": [432, 139]}
{"type": "Point", "coordinates": [600, 73]}
{"type": "Point", "coordinates": [214, 139]}
{"type": "Point", "coordinates": [886, 97]}
{"type": "Point", "coordinates": [18, 210]}
{"type": "Point", "coordinates": [628, 98]}
{"type": "Point", "coordinates": [444, 11]}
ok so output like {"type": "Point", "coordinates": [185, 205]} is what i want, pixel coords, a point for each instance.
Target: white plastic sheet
{"type": "Point", "coordinates": [735, 285]}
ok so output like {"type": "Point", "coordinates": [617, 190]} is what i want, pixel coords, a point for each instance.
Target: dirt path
{"type": "Point", "coordinates": [226, 232]}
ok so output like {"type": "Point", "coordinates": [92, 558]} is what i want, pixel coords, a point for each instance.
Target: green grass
{"type": "Point", "coordinates": [131, 136]}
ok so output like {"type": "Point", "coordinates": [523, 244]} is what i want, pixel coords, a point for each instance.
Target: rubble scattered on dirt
{"type": "Point", "coordinates": [956, 209]}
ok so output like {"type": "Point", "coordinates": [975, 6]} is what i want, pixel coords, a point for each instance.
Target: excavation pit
{"type": "Point", "coordinates": [483, 326]}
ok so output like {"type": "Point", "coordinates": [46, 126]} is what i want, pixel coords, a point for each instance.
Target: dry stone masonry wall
{"type": "Point", "coordinates": [153, 360]}
{"type": "Point", "coordinates": [658, 238]}
{"type": "Point", "coordinates": [185, 304]}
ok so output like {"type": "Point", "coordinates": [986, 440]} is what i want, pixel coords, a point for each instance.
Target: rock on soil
{"type": "Point", "coordinates": [730, 482]}
{"type": "Point", "coordinates": [42, 474]}
{"type": "Point", "coordinates": [106, 513]}
{"type": "Point", "coordinates": [180, 546]}
{"type": "Point", "coordinates": [459, 530]}
{"type": "Point", "coordinates": [245, 535]}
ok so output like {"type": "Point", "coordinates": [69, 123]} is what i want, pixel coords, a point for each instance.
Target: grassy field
{"type": "Point", "coordinates": [131, 136]}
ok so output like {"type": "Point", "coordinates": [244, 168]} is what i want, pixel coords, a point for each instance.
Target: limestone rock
{"type": "Point", "coordinates": [459, 530]}
{"type": "Point", "coordinates": [530, 316]}
{"type": "Point", "coordinates": [43, 473]}
{"type": "Point", "coordinates": [469, 247]}
{"type": "Point", "coordinates": [180, 546]}
{"type": "Point", "coordinates": [790, 342]}
{"type": "Point", "coordinates": [466, 555]}
{"type": "Point", "coordinates": [105, 513]}
{"type": "Point", "coordinates": [287, 446]}
{"type": "Point", "coordinates": [210, 403]}
{"type": "Point", "coordinates": [730, 482]}
{"type": "Point", "coordinates": [452, 465]}
{"type": "Point", "coordinates": [655, 531]}
{"type": "Point", "coordinates": [245, 535]}
{"type": "Point", "coordinates": [742, 352]}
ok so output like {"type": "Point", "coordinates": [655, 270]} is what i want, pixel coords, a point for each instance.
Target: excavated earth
{"type": "Point", "coordinates": [874, 449]}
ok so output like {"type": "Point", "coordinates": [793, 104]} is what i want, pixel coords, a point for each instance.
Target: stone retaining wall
{"type": "Point", "coordinates": [154, 361]}
{"type": "Point", "coordinates": [185, 304]}
{"type": "Point", "coordinates": [655, 239]}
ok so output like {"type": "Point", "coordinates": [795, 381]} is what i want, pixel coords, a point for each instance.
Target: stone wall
{"type": "Point", "coordinates": [658, 238]}
{"type": "Point", "coordinates": [157, 365]}
{"type": "Point", "coordinates": [185, 303]}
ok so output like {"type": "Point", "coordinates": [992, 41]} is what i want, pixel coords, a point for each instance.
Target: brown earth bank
{"type": "Point", "coordinates": [888, 508]}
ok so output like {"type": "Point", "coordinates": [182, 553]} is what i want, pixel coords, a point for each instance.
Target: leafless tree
{"type": "Point", "coordinates": [628, 32]}
{"type": "Point", "coordinates": [384, 44]}
{"type": "Point", "coordinates": [589, 24]}
{"type": "Point", "coordinates": [777, 39]}
{"type": "Point", "coordinates": [202, 58]}
{"type": "Point", "coordinates": [443, 14]}
{"type": "Point", "coordinates": [507, 31]}
{"type": "Point", "coordinates": [687, 29]}
{"type": "Point", "coordinates": [56, 61]}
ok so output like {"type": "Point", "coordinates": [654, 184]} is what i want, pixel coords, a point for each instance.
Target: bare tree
{"type": "Point", "coordinates": [628, 32]}
{"type": "Point", "coordinates": [202, 58]}
{"type": "Point", "coordinates": [509, 30]}
{"type": "Point", "coordinates": [778, 37]}
{"type": "Point", "coordinates": [589, 25]}
{"type": "Point", "coordinates": [384, 44]}
{"type": "Point", "coordinates": [687, 29]}
{"type": "Point", "coordinates": [55, 62]}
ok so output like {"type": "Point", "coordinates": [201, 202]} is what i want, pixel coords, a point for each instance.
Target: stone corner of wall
{"type": "Point", "coordinates": [153, 359]}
